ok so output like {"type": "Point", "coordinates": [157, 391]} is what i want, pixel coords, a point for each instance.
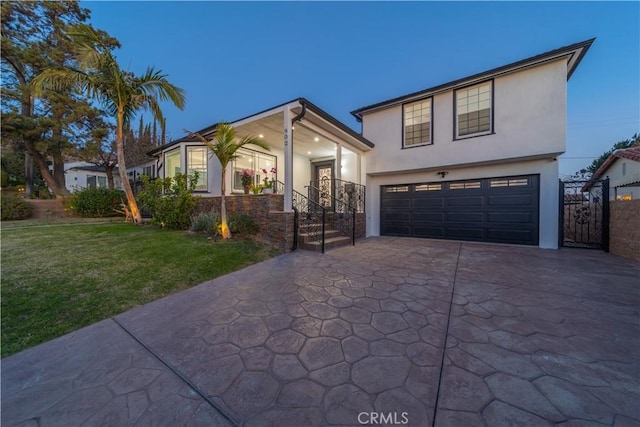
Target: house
{"type": "Point", "coordinates": [474, 158]}
{"type": "Point", "coordinates": [471, 159]}
{"type": "Point", "coordinates": [622, 168]}
{"type": "Point", "coordinates": [79, 175]}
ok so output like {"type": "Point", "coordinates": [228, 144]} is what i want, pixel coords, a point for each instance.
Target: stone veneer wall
{"type": "Point", "coordinates": [276, 226]}
{"type": "Point", "coordinates": [624, 229]}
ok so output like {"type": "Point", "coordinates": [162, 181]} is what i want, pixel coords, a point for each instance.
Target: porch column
{"type": "Point", "coordinates": [339, 161]}
{"type": "Point", "coordinates": [288, 161]}
{"type": "Point", "coordinates": [359, 168]}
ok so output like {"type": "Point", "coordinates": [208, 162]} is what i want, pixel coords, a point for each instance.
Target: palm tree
{"type": "Point", "coordinates": [122, 93]}
{"type": "Point", "coordinates": [224, 146]}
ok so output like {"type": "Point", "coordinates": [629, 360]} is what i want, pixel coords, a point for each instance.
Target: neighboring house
{"type": "Point", "coordinates": [79, 175]}
{"type": "Point", "coordinates": [472, 159]}
{"type": "Point", "coordinates": [622, 168]}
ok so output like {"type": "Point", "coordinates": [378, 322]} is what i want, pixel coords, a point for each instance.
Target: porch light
{"type": "Point", "coordinates": [261, 136]}
{"type": "Point", "coordinates": [308, 152]}
{"type": "Point", "coordinates": [316, 139]}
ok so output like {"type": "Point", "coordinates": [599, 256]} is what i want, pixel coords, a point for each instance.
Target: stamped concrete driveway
{"type": "Point", "coordinates": [416, 332]}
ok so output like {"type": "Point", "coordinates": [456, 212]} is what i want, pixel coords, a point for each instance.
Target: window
{"type": "Point", "coordinates": [417, 123]}
{"type": "Point", "coordinates": [464, 185]}
{"type": "Point", "coordinates": [94, 181]}
{"type": "Point", "coordinates": [149, 171]}
{"type": "Point", "coordinates": [254, 161]}
{"type": "Point", "coordinates": [473, 110]}
{"type": "Point", "coordinates": [429, 187]}
{"type": "Point", "coordinates": [172, 163]}
{"type": "Point", "coordinates": [517, 182]}
{"type": "Point", "coordinates": [397, 189]}
{"type": "Point", "coordinates": [197, 162]}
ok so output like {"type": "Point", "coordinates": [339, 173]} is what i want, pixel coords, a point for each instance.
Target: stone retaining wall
{"type": "Point", "coordinates": [276, 226]}
{"type": "Point", "coordinates": [624, 229]}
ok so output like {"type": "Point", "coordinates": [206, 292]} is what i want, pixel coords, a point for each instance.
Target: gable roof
{"type": "Point", "coordinates": [632, 153]}
{"type": "Point", "coordinates": [574, 52]}
{"type": "Point", "coordinates": [303, 101]}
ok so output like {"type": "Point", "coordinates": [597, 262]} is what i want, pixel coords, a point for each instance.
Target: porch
{"type": "Point", "coordinates": [315, 164]}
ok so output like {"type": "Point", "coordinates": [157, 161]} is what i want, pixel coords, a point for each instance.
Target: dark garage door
{"type": "Point", "coordinates": [501, 210]}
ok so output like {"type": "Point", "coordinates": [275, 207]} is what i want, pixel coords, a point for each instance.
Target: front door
{"type": "Point", "coordinates": [322, 185]}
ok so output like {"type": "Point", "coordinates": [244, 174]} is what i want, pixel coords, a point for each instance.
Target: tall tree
{"type": "Point", "coordinates": [121, 93]}
{"type": "Point", "coordinates": [224, 146]}
{"type": "Point", "coordinates": [34, 37]}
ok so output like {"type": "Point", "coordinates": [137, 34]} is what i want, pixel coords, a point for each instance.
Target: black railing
{"type": "Point", "coordinates": [344, 215]}
{"type": "Point", "coordinates": [349, 192]}
{"type": "Point", "coordinates": [311, 218]}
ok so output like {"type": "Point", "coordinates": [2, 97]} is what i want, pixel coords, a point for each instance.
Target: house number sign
{"type": "Point", "coordinates": [286, 137]}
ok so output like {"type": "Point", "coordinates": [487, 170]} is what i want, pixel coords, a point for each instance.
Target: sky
{"type": "Point", "coordinates": [234, 59]}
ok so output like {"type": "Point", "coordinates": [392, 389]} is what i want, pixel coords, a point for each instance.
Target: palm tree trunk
{"type": "Point", "coordinates": [226, 233]}
{"type": "Point", "coordinates": [131, 200]}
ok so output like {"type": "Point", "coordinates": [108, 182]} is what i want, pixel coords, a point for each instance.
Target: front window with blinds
{"type": "Point", "coordinates": [417, 123]}
{"type": "Point", "coordinates": [473, 110]}
{"type": "Point", "coordinates": [197, 162]}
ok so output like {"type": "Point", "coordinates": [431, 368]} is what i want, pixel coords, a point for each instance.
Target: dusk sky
{"type": "Point", "coordinates": [234, 59]}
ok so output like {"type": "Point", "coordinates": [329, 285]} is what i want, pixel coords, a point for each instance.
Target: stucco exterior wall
{"type": "Point", "coordinates": [622, 175]}
{"type": "Point", "coordinates": [547, 169]}
{"type": "Point", "coordinates": [529, 120]}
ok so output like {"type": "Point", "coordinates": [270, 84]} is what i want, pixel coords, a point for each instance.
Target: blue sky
{"type": "Point", "coordinates": [237, 58]}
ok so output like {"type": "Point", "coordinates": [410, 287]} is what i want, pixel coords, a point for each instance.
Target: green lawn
{"type": "Point", "coordinates": [59, 277]}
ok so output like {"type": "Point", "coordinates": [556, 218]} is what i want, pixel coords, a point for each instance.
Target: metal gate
{"type": "Point", "coordinates": [584, 214]}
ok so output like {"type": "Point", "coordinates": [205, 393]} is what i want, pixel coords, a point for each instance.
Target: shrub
{"type": "Point", "coordinates": [242, 224]}
{"type": "Point", "coordinates": [4, 179]}
{"type": "Point", "coordinates": [96, 202]}
{"type": "Point", "coordinates": [15, 208]}
{"type": "Point", "coordinates": [205, 222]}
{"type": "Point", "coordinates": [169, 200]}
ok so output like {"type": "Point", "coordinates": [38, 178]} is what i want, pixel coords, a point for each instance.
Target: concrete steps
{"type": "Point", "coordinates": [310, 240]}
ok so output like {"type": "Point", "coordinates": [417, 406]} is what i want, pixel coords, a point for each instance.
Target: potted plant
{"type": "Point", "coordinates": [269, 186]}
{"type": "Point", "coordinates": [246, 177]}
{"type": "Point", "coordinates": [257, 189]}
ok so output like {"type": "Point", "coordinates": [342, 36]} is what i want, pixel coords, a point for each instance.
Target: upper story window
{"type": "Point", "coordinates": [417, 123]}
{"type": "Point", "coordinates": [197, 162]}
{"type": "Point", "coordinates": [172, 163]}
{"type": "Point", "coordinates": [473, 110]}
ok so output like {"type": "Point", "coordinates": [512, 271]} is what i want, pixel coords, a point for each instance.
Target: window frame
{"type": "Point", "coordinates": [206, 166]}
{"type": "Point", "coordinates": [404, 145]}
{"type": "Point", "coordinates": [165, 164]}
{"type": "Point", "coordinates": [257, 178]}
{"type": "Point", "coordinates": [491, 131]}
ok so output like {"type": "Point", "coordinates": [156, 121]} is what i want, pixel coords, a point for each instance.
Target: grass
{"type": "Point", "coordinates": [58, 277]}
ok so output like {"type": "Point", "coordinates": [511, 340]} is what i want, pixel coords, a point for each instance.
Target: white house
{"type": "Point", "coordinates": [79, 175]}
{"type": "Point", "coordinates": [475, 158]}
{"type": "Point", "coordinates": [622, 168]}
{"type": "Point", "coordinates": [472, 159]}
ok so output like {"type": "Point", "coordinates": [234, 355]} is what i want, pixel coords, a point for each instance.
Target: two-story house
{"type": "Point", "coordinates": [472, 159]}
{"type": "Point", "coordinates": [475, 158]}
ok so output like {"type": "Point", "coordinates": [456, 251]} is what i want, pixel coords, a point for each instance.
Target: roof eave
{"type": "Point", "coordinates": [575, 52]}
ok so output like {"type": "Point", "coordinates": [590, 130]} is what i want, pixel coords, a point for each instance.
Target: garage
{"type": "Point", "coordinates": [499, 210]}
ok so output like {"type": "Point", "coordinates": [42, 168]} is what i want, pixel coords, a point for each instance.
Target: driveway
{"type": "Point", "coordinates": [406, 331]}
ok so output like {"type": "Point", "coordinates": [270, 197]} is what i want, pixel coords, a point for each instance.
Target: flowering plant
{"type": "Point", "coordinates": [268, 184]}
{"type": "Point", "coordinates": [246, 177]}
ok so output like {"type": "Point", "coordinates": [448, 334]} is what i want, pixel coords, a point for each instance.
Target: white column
{"type": "Point", "coordinates": [288, 161]}
{"type": "Point", "coordinates": [339, 161]}
{"type": "Point", "coordinates": [359, 168]}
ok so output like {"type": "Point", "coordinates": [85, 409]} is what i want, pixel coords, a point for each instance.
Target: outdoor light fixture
{"type": "Point", "coordinates": [308, 152]}
{"type": "Point", "coordinates": [442, 173]}
{"type": "Point", "coordinates": [316, 139]}
{"type": "Point", "coordinates": [261, 136]}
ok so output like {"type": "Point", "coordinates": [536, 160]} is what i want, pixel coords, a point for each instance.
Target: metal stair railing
{"type": "Point", "coordinates": [344, 215]}
{"type": "Point", "coordinates": [349, 192]}
{"type": "Point", "coordinates": [308, 215]}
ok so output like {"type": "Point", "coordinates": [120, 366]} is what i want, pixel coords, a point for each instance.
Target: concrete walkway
{"type": "Point", "coordinates": [405, 331]}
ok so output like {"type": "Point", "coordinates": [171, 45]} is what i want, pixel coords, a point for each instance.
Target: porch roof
{"type": "Point", "coordinates": [312, 132]}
